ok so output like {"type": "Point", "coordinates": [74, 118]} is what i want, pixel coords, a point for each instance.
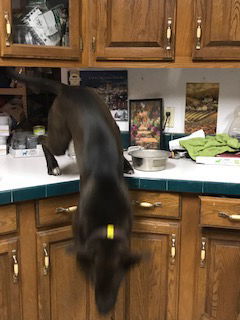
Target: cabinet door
{"type": "Point", "coordinates": [40, 29]}
{"type": "Point", "coordinates": [217, 26]}
{"type": "Point", "coordinates": [152, 286]}
{"type": "Point", "coordinates": [61, 287]}
{"type": "Point", "coordinates": [10, 293]}
{"type": "Point", "coordinates": [218, 278]}
{"type": "Point", "coordinates": [133, 30]}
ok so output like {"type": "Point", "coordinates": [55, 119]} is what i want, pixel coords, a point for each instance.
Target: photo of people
{"type": "Point", "coordinates": [113, 87]}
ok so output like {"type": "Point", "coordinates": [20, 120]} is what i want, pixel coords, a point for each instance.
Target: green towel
{"type": "Point", "coordinates": [210, 146]}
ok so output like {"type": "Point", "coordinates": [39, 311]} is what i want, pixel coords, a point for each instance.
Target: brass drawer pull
{"type": "Point", "coordinates": [15, 266]}
{"type": "Point", "coordinates": [232, 217]}
{"type": "Point", "coordinates": [8, 28]}
{"type": "Point", "coordinates": [147, 205]}
{"type": "Point", "coordinates": [199, 33]}
{"type": "Point", "coordinates": [46, 259]}
{"type": "Point", "coordinates": [169, 34]}
{"type": "Point", "coordinates": [66, 210]}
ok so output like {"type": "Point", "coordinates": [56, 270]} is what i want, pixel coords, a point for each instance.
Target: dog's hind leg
{"type": "Point", "coordinates": [58, 139]}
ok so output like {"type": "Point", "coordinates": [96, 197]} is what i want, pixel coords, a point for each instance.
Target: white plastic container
{"type": "Point", "coordinates": [4, 119]}
{"type": "Point", "coordinates": [234, 130]}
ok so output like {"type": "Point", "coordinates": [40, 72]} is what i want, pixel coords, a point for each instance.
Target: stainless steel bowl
{"type": "Point", "coordinates": [149, 160]}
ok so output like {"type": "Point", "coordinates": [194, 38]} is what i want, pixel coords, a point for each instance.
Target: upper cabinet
{"type": "Point", "coordinates": [133, 30]}
{"type": "Point", "coordinates": [41, 29]}
{"type": "Point", "coordinates": [120, 33]}
{"type": "Point", "coordinates": [217, 25]}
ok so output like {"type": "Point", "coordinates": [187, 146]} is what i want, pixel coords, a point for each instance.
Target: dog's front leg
{"type": "Point", "coordinates": [127, 168]}
{"type": "Point", "coordinates": [52, 164]}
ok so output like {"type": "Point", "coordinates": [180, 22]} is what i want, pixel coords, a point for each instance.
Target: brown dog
{"type": "Point", "coordinates": [103, 220]}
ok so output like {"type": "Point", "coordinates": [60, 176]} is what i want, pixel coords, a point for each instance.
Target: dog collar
{"type": "Point", "coordinates": [110, 231]}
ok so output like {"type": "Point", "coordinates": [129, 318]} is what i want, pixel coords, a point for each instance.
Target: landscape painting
{"type": "Point", "coordinates": [201, 107]}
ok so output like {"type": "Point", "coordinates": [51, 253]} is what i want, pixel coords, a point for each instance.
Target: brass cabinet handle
{"type": "Point", "coordinates": [46, 263]}
{"type": "Point", "coordinates": [173, 248]}
{"type": "Point", "coordinates": [232, 217]}
{"type": "Point", "coordinates": [66, 210]}
{"type": "Point", "coordinates": [15, 266]}
{"type": "Point", "coordinates": [93, 44]}
{"type": "Point", "coordinates": [169, 34]}
{"type": "Point", "coordinates": [199, 33]}
{"type": "Point", "coordinates": [147, 205]}
{"type": "Point", "coordinates": [8, 28]}
{"type": "Point", "coordinates": [203, 252]}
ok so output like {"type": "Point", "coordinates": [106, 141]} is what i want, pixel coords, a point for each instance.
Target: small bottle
{"type": "Point", "coordinates": [234, 130]}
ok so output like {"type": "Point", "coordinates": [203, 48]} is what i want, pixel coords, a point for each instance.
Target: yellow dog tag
{"type": "Point", "coordinates": [110, 231]}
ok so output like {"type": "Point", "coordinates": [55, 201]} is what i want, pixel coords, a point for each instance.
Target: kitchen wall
{"type": "Point", "coordinates": [170, 84]}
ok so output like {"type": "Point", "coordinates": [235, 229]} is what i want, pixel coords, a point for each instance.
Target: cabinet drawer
{"type": "Point", "coordinates": [156, 204]}
{"type": "Point", "coordinates": [8, 219]}
{"type": "Point", "coordinates": [47, 210]}
{"type": "Point", "coordinates": [220, 212]}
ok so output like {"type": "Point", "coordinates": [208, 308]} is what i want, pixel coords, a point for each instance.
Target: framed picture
{"type": "Point", "coordinates": [145, 123]}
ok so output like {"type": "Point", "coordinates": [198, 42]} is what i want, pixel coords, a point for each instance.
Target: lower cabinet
{"type": "Point", "coordinates": [218, 277]}
{"type": "Point", "coordinates": [10, 280]}
{"type": "Point", "coordinates": [62, 289]}
{"type": "Point", "coordinates": [189, 270]}
{"type": "Point", "coordinates": [152, 286]}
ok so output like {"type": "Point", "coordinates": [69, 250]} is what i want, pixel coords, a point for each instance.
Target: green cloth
{"type": "Point", "coordinates": [210, 146]}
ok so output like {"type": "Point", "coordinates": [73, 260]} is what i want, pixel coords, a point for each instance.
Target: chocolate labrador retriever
{"type": "Point", "coordinates": [102, 223]}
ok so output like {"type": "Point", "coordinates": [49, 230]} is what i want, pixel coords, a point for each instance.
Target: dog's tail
{"type": "Point", "coordinates": [38, 83]}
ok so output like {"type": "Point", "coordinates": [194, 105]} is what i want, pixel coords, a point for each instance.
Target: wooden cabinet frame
{"type": "Point", "coordinates": [73, 52]}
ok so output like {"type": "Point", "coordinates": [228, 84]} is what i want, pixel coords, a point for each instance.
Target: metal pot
{"type": "Point", "coordinates": [149, 160]}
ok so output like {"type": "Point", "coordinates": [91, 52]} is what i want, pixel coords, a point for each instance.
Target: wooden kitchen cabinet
{"type": "Point", "coordinates": [189, 271]}
{"type": "Point", "coordinates": [133, 30]}
{"type": "Point", "coordinates": [218, 277]}
{"type": "Point", "coordinates": [60, 36]}
{"type": "Point", "coordinates": [218, 27]}
{"type": "Point", "coordinates": [152, 286]}
{"type": "Point", "coordinates": [10, 278]}
{"type": "Point", "coordinates": [62, 289]}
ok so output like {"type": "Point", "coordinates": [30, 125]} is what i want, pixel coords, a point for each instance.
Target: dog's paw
{"type": "Point", "coordinates": [129, 171]}
{"type": "Point", "coordinates": [54, 171]}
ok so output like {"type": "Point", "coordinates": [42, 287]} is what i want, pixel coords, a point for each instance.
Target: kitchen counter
{"type": "Point", "coordinates": [27, 178]}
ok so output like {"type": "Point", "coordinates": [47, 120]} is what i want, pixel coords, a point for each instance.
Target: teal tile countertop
{"type": "Point", "coordinates": [27, 179]}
